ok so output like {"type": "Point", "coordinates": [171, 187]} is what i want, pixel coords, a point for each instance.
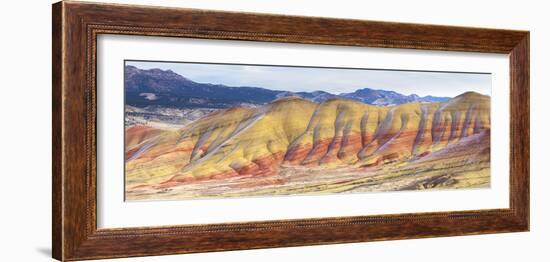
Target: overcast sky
{"type": "Point", "coordinates": [331, 80]}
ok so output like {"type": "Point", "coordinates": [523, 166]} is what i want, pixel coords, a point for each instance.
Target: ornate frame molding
{"type": "Point", "coordinates": [76, 26]}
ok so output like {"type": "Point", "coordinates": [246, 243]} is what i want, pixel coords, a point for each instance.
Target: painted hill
{"type": "Point", "coordinates": [295, 132]}
{"type": "Point", "coordinates": [156, 87]}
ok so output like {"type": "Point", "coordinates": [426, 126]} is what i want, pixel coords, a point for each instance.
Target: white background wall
{"type": "Point", "coordinates": [25, 150]}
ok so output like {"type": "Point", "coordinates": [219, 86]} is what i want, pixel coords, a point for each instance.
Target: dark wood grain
{"type": "Point", "coordinates": [519, 129]}
{"type": "Point", "coordinates": [75, 29]}
{"type": "Point", "coordinates": [57, 190]}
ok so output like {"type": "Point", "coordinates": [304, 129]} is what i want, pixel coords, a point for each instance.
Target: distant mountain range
{"type": "Point", "coordinates": [167, 88]}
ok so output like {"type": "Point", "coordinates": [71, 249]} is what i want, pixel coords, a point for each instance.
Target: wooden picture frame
{"type": "Point", "coordinates": [76, 26]}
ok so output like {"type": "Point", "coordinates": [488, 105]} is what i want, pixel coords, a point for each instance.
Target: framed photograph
{"type": "Point", "coordinates": [183, 130]}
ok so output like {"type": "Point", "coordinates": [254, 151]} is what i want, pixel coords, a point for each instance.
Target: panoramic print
{"type": "Point", "coordinates": [204, 130]}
